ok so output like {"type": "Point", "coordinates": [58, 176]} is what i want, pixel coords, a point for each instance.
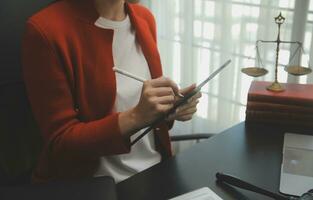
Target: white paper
{"type": "Point", "coordinates": [200, 194]}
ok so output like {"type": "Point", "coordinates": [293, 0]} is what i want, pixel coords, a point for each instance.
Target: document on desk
{"type": "Point", "coordinates": [199, 194]}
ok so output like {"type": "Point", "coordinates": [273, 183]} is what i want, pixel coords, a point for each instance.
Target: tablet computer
{"type": "Point", "coordinates": [199, 87]}
{"type": "Point", "coordinates": [181, 101]}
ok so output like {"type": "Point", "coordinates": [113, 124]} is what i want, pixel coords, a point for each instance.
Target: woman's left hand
{"type": "Point", "coordinates": [186, 111]}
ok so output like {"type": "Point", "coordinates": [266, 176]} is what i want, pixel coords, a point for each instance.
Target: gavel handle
{"type": "Point", "coordinates": [247, 186]}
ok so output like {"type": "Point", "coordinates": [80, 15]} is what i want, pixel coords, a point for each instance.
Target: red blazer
{"type": "Point", "coordinates": [67, 67]}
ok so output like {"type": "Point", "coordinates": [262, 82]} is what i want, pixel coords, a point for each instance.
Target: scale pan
{"type": "Point", "coordinates": [297, 70]}
{"type": "Point", "coordinates": [254, 71]}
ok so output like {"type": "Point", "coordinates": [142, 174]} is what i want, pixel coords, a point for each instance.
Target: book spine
{"type": "Point", "coordinates": [280, 100]}
{"type": "Point", "coordinates": [287, 123]}
{"type": "Point", "coordinates": [275, 107]}
{"type": "Point", "coordinates": [278, 117]}
{"type": "Point", "coordinates": [283, 122]}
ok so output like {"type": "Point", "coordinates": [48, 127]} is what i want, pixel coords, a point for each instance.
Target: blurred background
{"type": "Point", "coordinates": [197, 36]}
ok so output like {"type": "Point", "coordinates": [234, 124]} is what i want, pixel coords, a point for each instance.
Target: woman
{"type": "Point", "coordinates": [87, 114]}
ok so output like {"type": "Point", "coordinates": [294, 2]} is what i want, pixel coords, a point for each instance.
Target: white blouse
{"type": "Point", "coordinates": [127, 55]}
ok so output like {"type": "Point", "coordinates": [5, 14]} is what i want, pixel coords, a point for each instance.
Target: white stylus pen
{"type": "Point", "coordinates": [125, 73]}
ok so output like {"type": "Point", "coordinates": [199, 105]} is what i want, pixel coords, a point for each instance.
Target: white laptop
{"type": "Point", "coordinates": [297, 166]}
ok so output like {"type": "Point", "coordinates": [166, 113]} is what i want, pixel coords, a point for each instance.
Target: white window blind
{"type": "Point", "coordinates": [196, 36]}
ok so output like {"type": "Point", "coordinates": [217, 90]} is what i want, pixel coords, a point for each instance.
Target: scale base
{"type": "Point", "coordinates": [275, 87]}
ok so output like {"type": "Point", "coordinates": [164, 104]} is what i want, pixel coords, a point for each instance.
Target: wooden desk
{"type": "Point", "coordinates": [252, 152]}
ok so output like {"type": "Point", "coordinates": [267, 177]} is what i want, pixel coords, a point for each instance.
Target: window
{"type": "Point", "coordinates": [196, 36]}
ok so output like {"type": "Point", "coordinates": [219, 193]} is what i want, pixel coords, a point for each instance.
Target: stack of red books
{"type": "Point", "coordinates": [294, 106]}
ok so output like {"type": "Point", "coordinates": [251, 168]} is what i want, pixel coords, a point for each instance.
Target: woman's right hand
{"type": "Point", "coordinates": [157, 98]}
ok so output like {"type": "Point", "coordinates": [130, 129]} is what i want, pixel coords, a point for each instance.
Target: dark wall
{"type": "Point", "coordinates": [13, 14]}
{"type": "Point", "coordinates": [19, 137]}
{"type": "Point", "coordinates": [20, 141]}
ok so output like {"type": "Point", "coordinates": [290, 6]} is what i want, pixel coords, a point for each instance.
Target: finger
{"type": "Point", "coordinates": [165, 82]}
{"type": "Point", "coordinates": [163, 108]}
{"type": "Point", "coordinates": [185, 107]}
{"type": "Point", "coordinates": [190, 111]}
{"type": "Point", "coordinates": [163, 91]}
{"type": "Point", "coordinates": [184, 118]}
{"type": "Point", "coordinates": [182, 113]}
{"type": "Point", "coordinates": [188, 89]}
{"type": "Point", "coordinates": [198, 95]}
{"type": "Point", "coordinates": [195, 97]}
{"type": "Point", "coordinates": [189, 105]}
{"type": "Point", "coordinates": [170, 99]}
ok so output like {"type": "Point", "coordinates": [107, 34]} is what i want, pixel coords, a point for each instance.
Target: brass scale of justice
{"type": "Point", "coordinates": [292, 69]}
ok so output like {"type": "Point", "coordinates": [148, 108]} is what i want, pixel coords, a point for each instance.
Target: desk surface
{"type": "Point", "coordinates": [101, 188]}
{"type": "Point", "coordinates": [252, 152]}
